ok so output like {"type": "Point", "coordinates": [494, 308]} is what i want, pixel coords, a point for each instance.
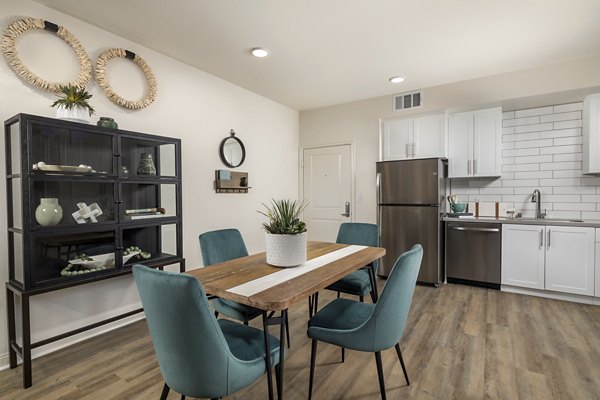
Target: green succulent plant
{"type": "Point", "coordinates": [74, 97]}
{"type": "Point", "coordinates": [284, 217]}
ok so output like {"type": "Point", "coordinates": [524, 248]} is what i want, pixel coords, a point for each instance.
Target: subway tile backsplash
{"type": "Point", "coordinates": [541, 149]}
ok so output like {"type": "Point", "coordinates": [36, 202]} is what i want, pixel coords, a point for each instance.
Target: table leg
{"type": "Point", "coordinates": [373, 279]}
{"type": "Point", "coordinates": [12, 333]}
{"type": "Point", "coordinates": [282, 337]}
{"type": "Point", "coordinates": [268, 353]}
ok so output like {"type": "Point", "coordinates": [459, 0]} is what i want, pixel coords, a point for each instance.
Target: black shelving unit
{"type": "Point", "coordinates": [40, 252]}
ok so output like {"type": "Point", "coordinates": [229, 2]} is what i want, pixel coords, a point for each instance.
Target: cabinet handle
{"type": "Point", "coordinates": [469, 167]}
{"type": "Point", "coordinates": [549, 232]}
{"type": "Point", "coordinates": [461, 228]}
{"type": "Point", "coordinates": [474, 167]}
{"type": "Point", "coordinates": [541, 238]}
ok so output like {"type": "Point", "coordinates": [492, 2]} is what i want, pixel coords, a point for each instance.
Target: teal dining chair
{"type": "Point", "coordinates": [225, 245]}
{"type": "Point", "coordinates": [360, 282]}
{"type": "Point", "coordinates": [220, 246]}
{"type": "Point", "coordinates": [198, 355]}
{"type": "Point", "coordinates": [370, 327]}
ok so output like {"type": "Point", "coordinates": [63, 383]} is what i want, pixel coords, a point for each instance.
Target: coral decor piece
{"type": "Point", "coordinates": [19, 27]}
{"type": "Point", "coordinates": [101, 65]}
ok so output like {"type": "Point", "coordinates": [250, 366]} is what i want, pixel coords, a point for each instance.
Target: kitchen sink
{"type": "Point", "coordinates": [550, 219]}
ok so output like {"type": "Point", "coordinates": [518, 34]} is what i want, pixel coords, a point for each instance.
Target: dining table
{"type": "Point", "coordinates": [252, 281]}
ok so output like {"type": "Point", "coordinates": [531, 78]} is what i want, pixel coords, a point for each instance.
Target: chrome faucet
{"type": "Point", "coordinates": [536, 198]}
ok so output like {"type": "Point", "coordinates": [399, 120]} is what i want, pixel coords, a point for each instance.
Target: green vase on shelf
{"type": "Point", "coordinates": [49, 212]}
{"type": "Point", "coordinates": [146, 165]}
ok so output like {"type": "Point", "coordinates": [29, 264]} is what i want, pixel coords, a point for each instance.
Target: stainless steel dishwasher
{"type": "Point", "coordinates": [473, 251]}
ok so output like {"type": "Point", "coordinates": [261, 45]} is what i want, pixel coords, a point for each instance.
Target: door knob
{"type": "Point", "coordinates": [346, 213]}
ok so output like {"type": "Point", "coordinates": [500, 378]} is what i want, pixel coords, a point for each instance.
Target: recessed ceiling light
{"type": "Point", "coordinates": [260, 52]}
{"type": "Point", "coordinates": [397, 79]}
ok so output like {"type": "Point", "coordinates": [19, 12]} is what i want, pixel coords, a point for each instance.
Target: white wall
{"type": "Point", "coordinates": [191, 105]}
{"type": "Point", "coordinates": [359, 121]}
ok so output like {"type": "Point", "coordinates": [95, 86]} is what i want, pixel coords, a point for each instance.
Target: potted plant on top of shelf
{"type": "Point", "coordinates": [285, 233]}
{"type": "Point", "coordinates": [74, 104]}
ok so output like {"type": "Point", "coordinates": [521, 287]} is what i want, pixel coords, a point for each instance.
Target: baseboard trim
{"type": "Point", "coordinates": [576, 298]}
{"type": "Point", "coordinates": [71, 340]}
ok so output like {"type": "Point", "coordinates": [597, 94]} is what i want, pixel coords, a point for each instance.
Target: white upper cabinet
{"type": "Point", "coordinates": [475, 144]}
{"type": "Point", "coordinates": [591, 134]}
{"type": "Point", "coordinates": [416, 137]}
{"type": "Point", "coordinates": [429, 136]}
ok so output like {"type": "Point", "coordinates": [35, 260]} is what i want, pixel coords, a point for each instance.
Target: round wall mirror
{"type": "Point", "coordinates": [232, 151]}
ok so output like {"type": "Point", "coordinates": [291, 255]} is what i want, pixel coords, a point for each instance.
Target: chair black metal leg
{"type": "Point", "coordinates": [402, 363]}
{"type": "Point", "coordinates": [316, 303]}
{"type": "Point", "coordinates": [362, 298]}
{"type": "Point", "coordinates": [343, 354]}
{"type": "Point", "coordinates": [313, 359]}
{"type": "Point", "coordinates": [183, 397]}
{"type": "Point", "coordinates": [246, 323]}
{"type": "Point", "coordinates": [165, 392]}
{"type": "Point", "coordinates": [380, 374]}
{"type": "Point", "coordinates": [310, 306]}
{"type": "Point", "coordinates": [277, 381]}
{"type": "Point", "coordinates": [287, 330]}
{"type": "Point", "coordinates": [338, 295]}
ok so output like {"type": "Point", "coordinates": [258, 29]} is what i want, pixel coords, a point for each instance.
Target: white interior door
{"type": "Point", "coordinates": [327, 187]}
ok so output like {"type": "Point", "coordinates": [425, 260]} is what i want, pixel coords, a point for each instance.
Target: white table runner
{"type": "Point", "coordinates": [263, 283]}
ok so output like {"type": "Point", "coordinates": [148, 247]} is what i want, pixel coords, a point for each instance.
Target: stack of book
{"type": "Point", "coordinates": [141, 213]}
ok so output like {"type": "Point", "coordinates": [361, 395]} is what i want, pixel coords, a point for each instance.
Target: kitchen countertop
{"type": "Point", "coordinates": [592, 223]}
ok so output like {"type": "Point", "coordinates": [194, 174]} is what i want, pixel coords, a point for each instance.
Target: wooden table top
{"type": "Point", "coordinates": [218, 278]}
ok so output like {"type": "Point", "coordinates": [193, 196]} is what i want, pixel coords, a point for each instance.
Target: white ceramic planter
{"type": "Point", "coordinates": [75, 114]}
{"type": "Point", "coordinates": [286, 250]}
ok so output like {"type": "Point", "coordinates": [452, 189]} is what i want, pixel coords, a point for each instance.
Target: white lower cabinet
{"type": "Point", "coordinates": [557, 258]}
{"type": "Point", "coordinates": [597, 289]}
{"type": "Point", "coordinates": [523, 256]}
{"type": "Point", "coordinates": [570, 259]}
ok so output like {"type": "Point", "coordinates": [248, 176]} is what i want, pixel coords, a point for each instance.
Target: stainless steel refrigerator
{"type": "Point", "coordinates": [410, 200]}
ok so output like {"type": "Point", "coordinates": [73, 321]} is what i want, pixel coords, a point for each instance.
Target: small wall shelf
{"type": "Point", "coordinates": [237, 182]}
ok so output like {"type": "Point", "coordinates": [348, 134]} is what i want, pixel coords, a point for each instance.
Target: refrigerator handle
{"type": "Point", "coordinates": [378, 201]}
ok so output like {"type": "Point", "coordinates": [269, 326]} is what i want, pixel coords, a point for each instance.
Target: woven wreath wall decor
{"type": "Point", "coordinates": [17, 28]}
{"type": "Point", "coordinates": [101, 64]}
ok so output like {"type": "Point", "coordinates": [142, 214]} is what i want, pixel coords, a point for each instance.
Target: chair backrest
{"type": "Point", "coordinates": [222, 245]}
{"type": "Point", "coordinates": [192, 352]}
{"type": "Point", "coordinates": [392, 307]}
{"type": "Point", "coordinates": [360, 234]}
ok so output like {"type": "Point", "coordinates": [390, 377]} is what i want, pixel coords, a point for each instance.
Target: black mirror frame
{"type": "Point", "coordinates": [222, 154]}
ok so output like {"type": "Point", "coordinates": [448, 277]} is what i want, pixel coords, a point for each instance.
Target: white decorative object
{"type": "Point", "coordinates": [286, 250]}
{"type": "Point", "coordinates": [101, 260]}
{"type": "Point", "coordinates": [81, 168]}
{"type": "Point", "coordinates": [86, 213]}
{"type": "Point", "coordinates": [75, 114]}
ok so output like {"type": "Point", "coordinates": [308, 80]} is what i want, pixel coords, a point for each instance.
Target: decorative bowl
{"type": "Point", "coordinates": [459, 207]}
{"type": "Point", "coordinates": [101, 260]}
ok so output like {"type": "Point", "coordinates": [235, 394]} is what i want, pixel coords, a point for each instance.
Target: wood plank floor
{"type": "Point", "coordinates": [460, 343]}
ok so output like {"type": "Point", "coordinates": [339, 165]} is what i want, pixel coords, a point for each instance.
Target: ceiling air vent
{"type": "Point", "coordinates": [404, 101]}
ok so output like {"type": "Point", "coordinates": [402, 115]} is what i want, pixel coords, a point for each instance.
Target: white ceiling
{"type": "Point", "coordinates": [326, 52]}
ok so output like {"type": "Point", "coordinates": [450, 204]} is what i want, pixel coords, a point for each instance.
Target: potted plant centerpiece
{"type": "Point", "coordinates": [73, 104]}
{"type": "Point", "coordinates": [285, 233]}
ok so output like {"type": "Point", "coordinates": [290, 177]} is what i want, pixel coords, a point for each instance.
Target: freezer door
{"type": "Point", "coordinates": [404, 226]}
{"type": "Point", "coordinates": [411, 181]}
